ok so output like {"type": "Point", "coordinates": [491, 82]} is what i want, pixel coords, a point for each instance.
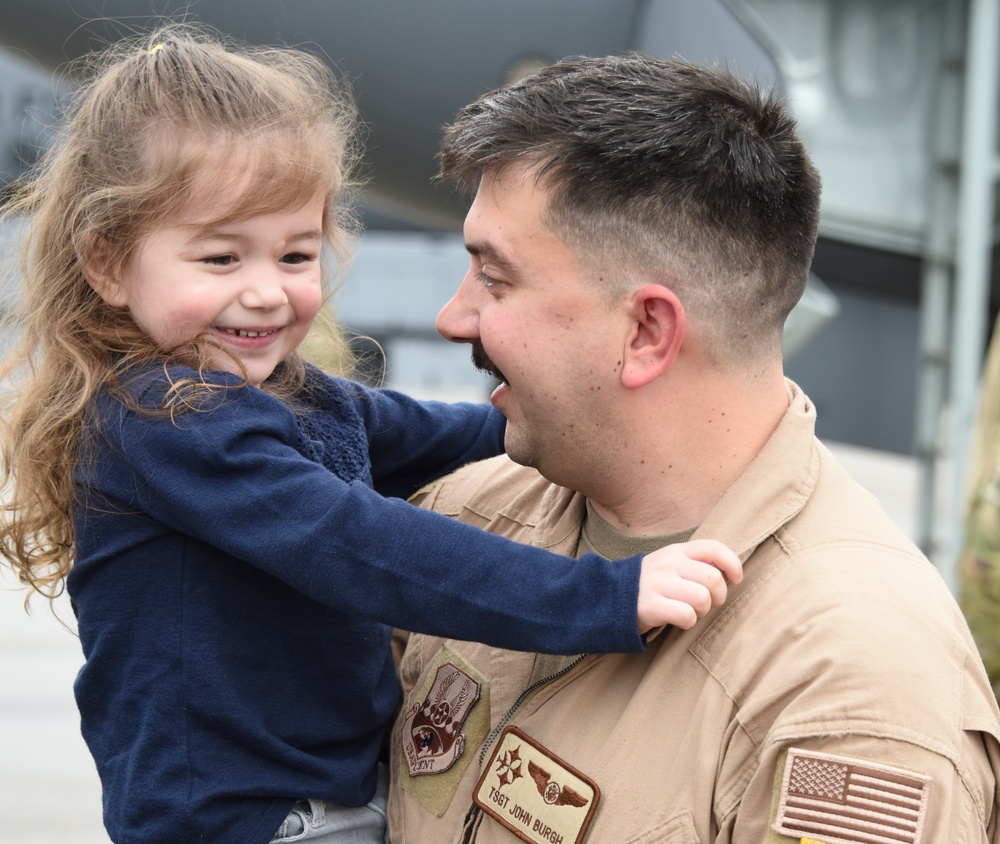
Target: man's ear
{"type": "Point", "coordinates": [102, 276]}
{"type": "Point", "coordinates": [658, 323]}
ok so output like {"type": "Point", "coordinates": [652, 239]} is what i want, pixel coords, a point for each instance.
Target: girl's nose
{"type": "Point", "coordinates": [265, 290]}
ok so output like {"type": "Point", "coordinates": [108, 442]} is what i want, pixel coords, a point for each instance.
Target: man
{"type": "Point", "coordinates": [979, 561]}
{"type": "Point", "coordinates": [639, 233]}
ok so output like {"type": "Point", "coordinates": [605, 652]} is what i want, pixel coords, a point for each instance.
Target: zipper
{"type": "Point", "coordinates": [521, 698]}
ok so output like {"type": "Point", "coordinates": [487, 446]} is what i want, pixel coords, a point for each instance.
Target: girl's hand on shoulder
{"type": "Point", "coordinates": [679, 584]}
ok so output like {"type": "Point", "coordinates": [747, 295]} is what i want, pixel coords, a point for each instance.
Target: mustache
{"type": "Point", "coordinates": [482, 362]}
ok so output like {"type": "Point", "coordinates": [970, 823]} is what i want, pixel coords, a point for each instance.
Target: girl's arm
{"type": "Point", "coordinates": [411, 442]}
{"type": "Point", "coordinates": [232, 477]}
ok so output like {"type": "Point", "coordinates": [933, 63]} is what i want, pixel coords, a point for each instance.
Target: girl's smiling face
{"type": "Point", "coordinates": [252, 284]}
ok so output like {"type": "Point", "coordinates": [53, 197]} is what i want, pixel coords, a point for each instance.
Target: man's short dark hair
{"type": "Point", "coordinates": [661, 171]}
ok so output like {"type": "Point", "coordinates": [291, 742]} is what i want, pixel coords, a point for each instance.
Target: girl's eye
{"type": "Point", "coordinates": [297, 258]}
{"type": "Point", "coordinates": [220, 260]}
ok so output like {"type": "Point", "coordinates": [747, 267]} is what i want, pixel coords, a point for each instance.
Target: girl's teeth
{"type": "Point", "coordinates": [240, 333]}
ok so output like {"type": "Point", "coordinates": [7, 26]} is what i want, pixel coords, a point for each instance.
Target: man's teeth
{"type": "Point", "coordinates": [239, 332]}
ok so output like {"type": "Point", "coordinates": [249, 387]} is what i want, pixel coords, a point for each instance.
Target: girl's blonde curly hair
{"type": "Point", "coordinates": [157, 123]}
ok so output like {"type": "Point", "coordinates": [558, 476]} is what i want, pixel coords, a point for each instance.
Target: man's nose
{"type": "Point", "coordinates": [458, 320]}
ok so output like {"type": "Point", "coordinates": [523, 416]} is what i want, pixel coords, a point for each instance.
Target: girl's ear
{"type": "Point", "coordinates": [101, 275]}
{"type": "Point", "coordinates": [658, 324]}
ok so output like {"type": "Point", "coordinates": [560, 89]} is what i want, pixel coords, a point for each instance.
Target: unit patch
{"type": "Point", "coordinates": [534, 794]}
{"type": "Point", "coordinates": [839, 800]}
{"type": "Point", "coordinates": [447, 716]}
{"type": "Point", "coordinates": [432, 737]}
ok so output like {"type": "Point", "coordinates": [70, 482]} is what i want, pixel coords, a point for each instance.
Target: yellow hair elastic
{"type": "Point", "coordinates": [156, 48]}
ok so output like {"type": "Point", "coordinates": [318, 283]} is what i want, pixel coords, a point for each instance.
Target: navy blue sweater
{"type": "Point", "coordinates": [236, 574]}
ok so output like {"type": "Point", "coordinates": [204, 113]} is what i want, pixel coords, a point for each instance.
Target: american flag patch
{"type": "Point", "coordinates": [839, 800]}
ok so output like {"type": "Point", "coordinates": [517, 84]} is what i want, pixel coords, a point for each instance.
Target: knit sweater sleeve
{"type": "Point", "coordinates": [411, 442]}
{"type": "Point", "coordinates": [235, 478]}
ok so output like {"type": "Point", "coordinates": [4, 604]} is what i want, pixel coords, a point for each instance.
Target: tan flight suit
{"type": "Point", "coordinates": [836, 697]}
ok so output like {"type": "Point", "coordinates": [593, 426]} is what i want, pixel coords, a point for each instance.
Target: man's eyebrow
{"type": "Point", "coordinates": [490, 252]}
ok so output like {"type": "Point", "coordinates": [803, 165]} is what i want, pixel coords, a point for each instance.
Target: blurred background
{"type": "Point", "coordinates": [895, 99]}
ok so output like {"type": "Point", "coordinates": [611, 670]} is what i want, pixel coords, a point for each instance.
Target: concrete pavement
{"type": "Point", "coordinates": [49, 791]}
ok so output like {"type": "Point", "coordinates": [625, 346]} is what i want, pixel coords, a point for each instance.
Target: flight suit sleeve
{"type": "Point", "coordinates": [849, 788]}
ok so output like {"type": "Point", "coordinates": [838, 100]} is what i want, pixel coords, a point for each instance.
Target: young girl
{"type": "Point", "coordinates": [212, 503]}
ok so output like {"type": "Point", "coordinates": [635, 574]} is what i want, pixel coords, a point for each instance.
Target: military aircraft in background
{"type": "Point", "coordinates": [872, 84]}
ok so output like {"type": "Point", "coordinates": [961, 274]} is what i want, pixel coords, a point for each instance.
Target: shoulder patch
{"type": "Point", "coordinates": [840, 800]}
{"type": "Point", "coordinates": [432, 729]}
{"type": "Point", "coordinates": [446, 719]}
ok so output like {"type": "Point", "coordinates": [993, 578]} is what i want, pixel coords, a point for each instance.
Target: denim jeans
{"type": "Point", "coordinates": [322, 822]}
